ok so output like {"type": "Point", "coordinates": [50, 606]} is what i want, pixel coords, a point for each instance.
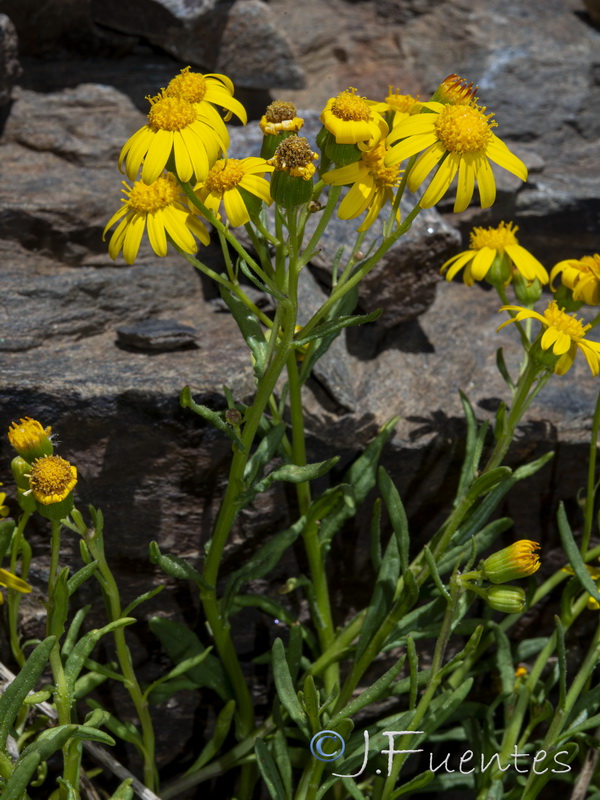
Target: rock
{"type": "Point", "coordinates": [214, 35]}
{"type": "Point", "coordinates": [157, 335]}
{"type": "Point", "coordinates": [10, 69]}
{"type": "Point", "coordinates": [45, 28]}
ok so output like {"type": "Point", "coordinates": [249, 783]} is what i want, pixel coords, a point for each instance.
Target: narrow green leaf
{"type": "Point", "coordinates": [93, 735]}
{"type": "Point", "coordinates": [482, 540]}
{"type": "Point", "coordinates": [488, 481]}
{"type": "Point", "coordinates": [59, 604]}
{"type": "Point", "coordinates": [180, 643]}
{"type": "Point", "coordinates": [176, 567]}
{"type": "Point", "coordinates": [371, 695]}
{"type": "Point", "coordinates": [504, 661]}
{"type": "Point", "coordinates": [445, 705]}
{"type": "Point", "coordinates": [376, 535]}
{"type": "Point", "coordinates": [418, 782]}
{"type": "Point", "coordinates": [268, 770]}
{"type": "Point", "coordinates": [73, 632]}
{"type": "Point", "coordinates": [220, 733]}
{"type": "Point", "coordinates": [413, 670]}
{"type": "Point", "coordinates": [562, 662]}
{"type": "Point", "coordinates": [16, 785]}
{"type": "Point", "coordinates": [395, 509]}
{"type": "Point", "coordinates": [7, 527]}
{"type": "Point", "coordinates": [185, 401]}
{"type": "Point", "coordinates": [124, 791]}
{"type": "Point", "coordinates": [292, 473]}
{"type": "Point", "coordinates": [123, 730]}
{"type": "Point", "coordinates": [473, 448]}
{"type": "Point", "coordinates": [311, 703]}
{"type": "Point", "coordinates": [435, 574]}
{"type": "Point", "coordinates": [250, 328]}
{"type": "Point", "coordinates": [14, 693]}
{"type": "Point", "coordinates": [335, 325]}
{"type": "Point", "coordinates": [81, 576]}
{"type": "Point", "coordinates": [285, 688]}
{"type": "Point", "coordinates": [503, 369]}
{"type": "Point", "coordinates": [182, 668]}
{"type": "Point", "coordinates": [84, 647]}
{"type": "Point", "coordinates": [264, 453]}
{"type": "Point", "coordinates": [282, 759]}
{"type": "Point", "coordinates": [142, 599]}
{"type": "Point", "coordinates": [574, 556]}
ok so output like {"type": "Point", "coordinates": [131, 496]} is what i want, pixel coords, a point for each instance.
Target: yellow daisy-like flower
{"type": "Point", "coordinates": [52, 478]}
{"type": "Point", "coordinates": [228, 180]}
{"type": "Point", "coordinates": [563, 335]}
{"type": "Point", "coordinates": [372, 184]}
{"type": "Point", "coordinates": [209, 90]}
{"type": "Point", "coordinates": [518, 560]}
{"type": "Point", "coordinates": [487, 247]}
{"type": "Point", "coordinates": [280, 117]}
{"type": "Point", "coordinates": [352, 119]}
{"type": "Point", "coordinates": [10, 581]}
{"type": "Point", "coordinates": [30, 439]}
{"type": "Point", "coordinates": [192, 135]}
{"type": "Point", "coordinates": [158, 208]}
{"type": "Point", "coordinates": [582, 276]}
{"type": "Point", "coordinates": [456, 138]}
{"type": "Point", "coordinates": [402, 105]}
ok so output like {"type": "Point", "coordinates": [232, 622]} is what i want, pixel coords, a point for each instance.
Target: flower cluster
{"type": "Point", "coordinates": [45, 481]}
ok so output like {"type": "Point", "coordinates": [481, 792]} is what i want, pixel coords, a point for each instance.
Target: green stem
{"type": "Point", "coordinates": [14, 598]}
{"type": "Point", "coordinates": [588, 519]}
{"type": "Point", "coordinates": [95, 544]}
{"type": "Point", "coordinates": [309, 250]}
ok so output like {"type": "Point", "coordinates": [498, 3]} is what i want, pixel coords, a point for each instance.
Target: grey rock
{"type": "Point", "coordinates": [10, 68]}
{"type": "Point", "coordinates": [157, 335]}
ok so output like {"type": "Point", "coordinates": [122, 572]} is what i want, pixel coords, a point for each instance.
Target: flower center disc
{"type": "Point", "coordinates": [463, 129]}
{"type": "Point", "coordinates": [171, 113]}
{"type": "Point", "coordinates": [348, 106]}
{"type": "Point", "coordinates": [225, 175]}
{"type": "Point", "coordinates": [557, 318]}
{"type": "Point", "coordinates": [150, 199]}
{"type": "Point", "coordinates": [52, 478]}
{"type": "Point", "coordinates": [384, 176]}
{"type": "Point", "coordinates": [496, 238]}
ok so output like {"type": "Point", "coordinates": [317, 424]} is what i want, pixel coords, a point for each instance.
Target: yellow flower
{"type": "Point", "coordinates": [498, 246]}
{"type": "Point", "coordinates": [228, 181]}
{"type": "Point", "coordinates": [208, 90]}
{"type": "Point", "coordinates": [372, 184]}
{"type": "Point", "coordinates": [456, 137]}
{"type": "Point", "coordinates": [294, 156]}
{"type": "Point", "coordinates": [455, 91]}
{"type": "Point", "coordinates": [159, 209]}
{"type": "Point", "coordinates": [192, 134]}
{"type": "Point", "coordinates": [11, 581]}
{"type": "Point", "coordinates": [280, 117]}
{"type": "Point", "coordinates": [582, 276]}
{"type": "Point", "coordinates": [52, 479]}
{"type": "Point", "coordinates": [401, 105]}
{"type": "Point", "coordinates": [352, 119]}
{"type": "Point", "coordinates": [563, 334]}
{"type": "Point", "coordinates": [518, 560]}
{"type": "Point", "coordinates": [30, 439]}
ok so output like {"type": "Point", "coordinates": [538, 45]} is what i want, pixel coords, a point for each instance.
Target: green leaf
{"type": "Point", "coordinates": [176, 567]}
{"type": "Point", "coordinates": [473, 448]}
{"type": "Point", "coordinates": [435, 574]}
{"type": "Point", "coordinates": [142, 599]}
{"type": "Point", "coordinates": [73, 632]}
{"type": "Point", "coordinates": [214, 744]}
{"type": "Point", "coordinates": [361, 476]}
{"type": "Point", "coordinates": [488, 481]}
{"type": "Point", "coordinates": [263, 560]}
{"type": "Point", "coordinates": [335, 326]}
{"type": "Point", "coordinates": [376, 535]}
{"type": "Point", "coordinates": [264, 453]}
{"type": "Point", "coordinates": [182, 643]}
{"type": "Point", "coordinates": [23, 771]}
{"type": "Point", "coordinates": [81, 576]}
{"type": "Point", "coordinates": [7, 527]}
{"type": "Point", "coordinates": [310, 702]}
{"type": "Point", "coordinates": [124, 791]}
{"type": "Point", "coordinates": [371, 695]}
{"type": "Point", "coordinates": [180, 669]}
{"type": "Point", "coordinates": [185, 401]}
{"type": "Point", "coordinates": [285, 688]}
{"type": "Point", "coordinates": [84, 647]}
{"type": "Point", "coordinates": [418, 782]}
{"type": "Point", "coordinates": [250, 328]}
{"type": "Point", "coordinates": [282, 759]}
{"type": "Point", "coordinates": [268, 770]}
{"type": "Point", "coordinates": [395, 509]}
{"type": "Point", "coordinates": [482, 540]}
{"type": "Point", "coordinates": [59, 604]}
{"type": "Point", "coordinates": [292, 473]}
{"type": "Point", "coordinates": [574, 556]}
{"type": "Point", "coordinates": [14, 693]}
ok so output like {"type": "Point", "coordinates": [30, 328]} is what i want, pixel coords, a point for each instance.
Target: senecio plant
{"type": "Point", "coordinates": [421, 691]}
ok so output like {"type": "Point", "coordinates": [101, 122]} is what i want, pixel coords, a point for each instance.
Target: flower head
{"type": "Point", "coordinates": [352, 119]}
{"type": "Point", "coordinates": [455, 136]}
{"type": "Point", "coordinates": [519, 560]}
{"type": "Point", "coordinates": [582, 276]}
{"type": "Point", "coordinates": [228, 182]}
{"type": "Point", "coordinates": [30, 439]}
{"type": "Point", "coordinates": [454, 90]}
{"type": "Point", "coordinates": [209, 90]}
{"type": "Point", "coordinates": [498, 247]}
{"type": "Point", "coordinates": [157, 208]}
{"type": "Point", "coordinates": [52, 479]}
{"type": "Point", "coordinates": [291, 181]}
{"type": "Point", "coordinates": [372, 184]}
{"type": "Point", "coordinates": [280, 117]}
{"type": "Point", "coordinates": [401, 105]}
{"type": "Point", "coordinates": [563, 335]}
{"type": "Point", "coordinates": [191, 135]}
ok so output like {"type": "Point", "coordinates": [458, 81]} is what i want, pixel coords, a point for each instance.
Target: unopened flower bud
{"type": "Point", "coordinates": [508, 599]}
{"type": "Point", "coordinates": [519, 560]}
{"type": "Point", "coordinates": [30, 439]}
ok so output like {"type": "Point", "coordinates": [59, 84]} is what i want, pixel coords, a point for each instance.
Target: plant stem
{"type": "Point", "coordinates": [588, 519]}
{"type": "Point", "coordinates": [14, 598]}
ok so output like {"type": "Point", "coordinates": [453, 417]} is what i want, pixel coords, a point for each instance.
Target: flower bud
{"type": "Point", "coordinates": [508, 599]}
{"type": "Point", "coordinates": [21, 470]}
{"type": "Point", "coordinates": [519, 560]}
{"type": "Point", "coordinates": [500, 273]}
{"type": "Point", "coordinates": [527, 292]}
{"type": "Point", "coordinates": [30, 439]}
